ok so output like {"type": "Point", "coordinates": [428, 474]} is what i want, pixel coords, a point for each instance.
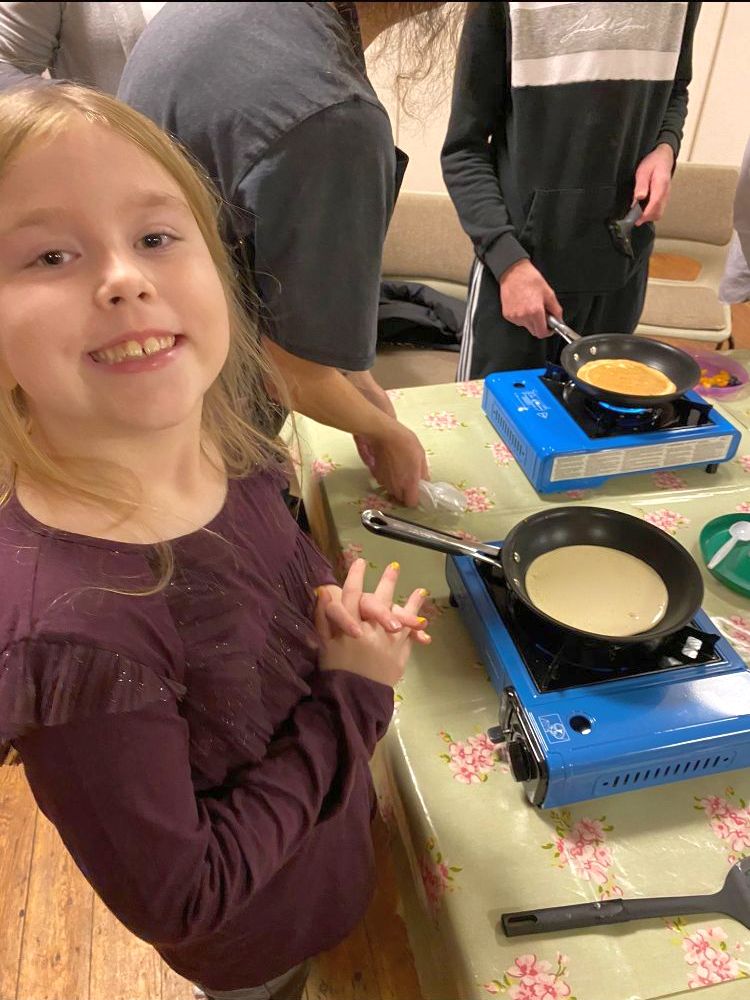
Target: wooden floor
{"type": "Point", "coordinates": [58, 941]}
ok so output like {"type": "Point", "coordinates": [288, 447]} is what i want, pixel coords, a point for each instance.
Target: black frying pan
{"type": "Point", "coordinates": [678, 366]}
{"type": "Point", "coordinates": [559, 526]}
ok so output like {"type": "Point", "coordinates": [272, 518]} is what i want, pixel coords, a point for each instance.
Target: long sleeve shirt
{"type": "Point", "coordinates": [83, 42]}
{"type": "Point", "coordinates": [554, 106]}
{"type": "Point", "coordinates": [209, 780]}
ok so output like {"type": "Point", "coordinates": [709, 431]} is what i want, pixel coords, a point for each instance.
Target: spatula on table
{"type": "Point", "coordinates": [733, 900]}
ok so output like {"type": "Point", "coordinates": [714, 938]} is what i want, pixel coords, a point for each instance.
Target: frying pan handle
{"type": "Point", "coordinates": [564, 331]}
{"type": "Point", "coordinates": [428, 538]}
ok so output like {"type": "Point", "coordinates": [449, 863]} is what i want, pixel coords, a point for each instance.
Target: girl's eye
{"type": "Point", "coordinates": [53, 258]}
{"type": "Point", "coordinates": [155, 241]}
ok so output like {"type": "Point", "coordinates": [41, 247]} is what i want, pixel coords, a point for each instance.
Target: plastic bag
{"type": "Point", "coordinates": [441, 496]}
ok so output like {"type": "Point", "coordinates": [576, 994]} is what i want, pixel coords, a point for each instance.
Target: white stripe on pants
{"type": "Point", "coordinates": [467, 335]}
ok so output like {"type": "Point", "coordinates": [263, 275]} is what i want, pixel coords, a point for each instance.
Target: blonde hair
{"type": "Point", "coordinates": [238, 406]}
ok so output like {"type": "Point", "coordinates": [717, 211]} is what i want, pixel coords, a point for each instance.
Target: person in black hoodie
{"type": "Point", "coordinates": [563, 117]}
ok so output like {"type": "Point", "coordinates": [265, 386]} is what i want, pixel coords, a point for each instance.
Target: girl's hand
{"type": "Point", "coordinates": [375, 653]}
{"type": "Point", "coordinates": [375, 607]}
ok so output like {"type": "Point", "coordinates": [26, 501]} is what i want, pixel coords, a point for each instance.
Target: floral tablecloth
{"type": "Point", "coordinates": [468, 845]}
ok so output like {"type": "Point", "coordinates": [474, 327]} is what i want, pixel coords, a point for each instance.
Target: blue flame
{"type": "Point", "coordinates": [627, 410]}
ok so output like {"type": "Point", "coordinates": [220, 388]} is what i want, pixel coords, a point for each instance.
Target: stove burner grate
{"type": "Point", "coordinates": [600, 419]}
{"type": "Point", "coordinates": [557, 659]}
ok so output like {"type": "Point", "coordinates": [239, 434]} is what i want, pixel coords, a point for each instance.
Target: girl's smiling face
{"type": "Point", "coordinates": [113, 319]}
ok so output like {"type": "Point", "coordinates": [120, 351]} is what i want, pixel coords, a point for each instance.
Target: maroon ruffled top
{"type": "Point", "coordinates": [208, 779]}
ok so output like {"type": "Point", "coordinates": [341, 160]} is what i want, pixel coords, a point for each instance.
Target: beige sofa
{"type": "Point", "coordinates": [427, 245]}
{"type": "Point", "coordinates": [696, 225]}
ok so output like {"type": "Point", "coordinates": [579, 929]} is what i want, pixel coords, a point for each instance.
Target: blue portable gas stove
{"type": "Point", "coordinates": [582, 720]}
{"type": "Point", "coordinates": [564, 439]}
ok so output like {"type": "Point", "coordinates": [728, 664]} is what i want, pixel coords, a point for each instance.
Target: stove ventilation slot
{"type": "Point", "coordinates": [665, 771]}
{"type": "Point", "coordinates": [506, 431]}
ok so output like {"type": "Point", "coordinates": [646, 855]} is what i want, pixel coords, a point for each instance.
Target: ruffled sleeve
{"type": "Point", "coordinates": [50, 682]}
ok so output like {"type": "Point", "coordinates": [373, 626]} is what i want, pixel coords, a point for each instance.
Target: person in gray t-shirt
{"type": "Point", "coordinates": [274, 100]}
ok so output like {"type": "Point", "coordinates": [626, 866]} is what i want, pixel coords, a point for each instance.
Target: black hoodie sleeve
{"type": "Point", "coordinates": [480, 91]}
{"type": "Point", "coordinates": [674, 117]}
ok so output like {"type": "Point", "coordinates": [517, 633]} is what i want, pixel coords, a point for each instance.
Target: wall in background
{"type": "Point", "coordinates": [717, 125]}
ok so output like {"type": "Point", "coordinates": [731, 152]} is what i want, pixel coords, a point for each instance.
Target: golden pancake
{"type": "Point", "coordinates": [631, 378]}
{"type": "Point", "coordinates": [597, 589]}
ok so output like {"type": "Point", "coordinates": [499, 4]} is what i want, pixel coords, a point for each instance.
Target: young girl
{"type": "Point", "coordinates": [194, 716]}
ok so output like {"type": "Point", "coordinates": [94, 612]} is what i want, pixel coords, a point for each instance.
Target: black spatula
{"type": "Point", "coordinates": [733, 899]}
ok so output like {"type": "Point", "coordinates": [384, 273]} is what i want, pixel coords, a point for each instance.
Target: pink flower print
{"type": "Point", "coordinates": [741, 627]}
{"type": "Point", "coordinates": [590, 868]}
{"type": "Point", "coordinates": [441, 420]}
{"type": "Point", "coordinates": [589, 831]}
{"type": "Point", "coordinates": [471, 760]}
{"type": "Point", "coordinates": [581, 847]}
{"type": "Point", "coordinates": [376, 501]}
{"type": "Point", "coordinates": [706, 950]}
{"type": "Point", "coordinates": [703, 943]}
{"type": "Point", "coordinates": [465, 536]}
{"type": "Point", "coordinates": [394, 394]}
{"type": "Point", "coordinates": [667, 520]}
{"type": "Point", "coordinates": [544, 987]}
{"type": "Point", "coordinates": [464, 771]}
{"type": "Point", "coordinates": [714, 805]}
{"type": "Point", "coordinates": [478, 499]}
{"type": "Point", "coordinates": [668, 481]}
{"type": "Point", "coordinates": [745, 462]}
{"type": "Point", "coordinates": [707, 955]}
{"type": "Point", "coordinates": [530, 978]}
{"type": "Point", "coordinates": [502, 453]}
{"type": "Point", "coordinates": [744, 507]}
{"type": "Point", "coordinates": [322, 466]}
{"type": "Point", "coordinates": [735, 832]}
{"type": "Point", "coordinates": [701, 976]}
{"type": "Point", "coordinates": [484, 751]}
{"type": "Point", "coordinates": [470, 390]}
{"type": "Point", "coordinates": [527, 966]}
{"type": "Point", "coordinates": [349, 554]}
{"type": "Point", "coordinates": [738, 631]}
{"type": "Point", "coordinates": [437, 877]}
{"type": "Point", "coordinates": [729, 820]}
{"type": "Point", "coordinates": [433, 887]}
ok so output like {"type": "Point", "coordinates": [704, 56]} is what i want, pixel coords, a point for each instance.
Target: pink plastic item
{"type": "Point", "coordinates": [713, 363]}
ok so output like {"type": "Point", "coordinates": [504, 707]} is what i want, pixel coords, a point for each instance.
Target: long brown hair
{"type": "Point", "coordinates": [419, 49]}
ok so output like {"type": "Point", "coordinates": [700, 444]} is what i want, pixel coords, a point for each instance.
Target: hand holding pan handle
{"type": "Point", "coordinates": [559, 327]}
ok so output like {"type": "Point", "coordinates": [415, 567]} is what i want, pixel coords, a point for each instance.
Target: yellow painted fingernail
{"type": "Point", "coordinates": [394, 566]}
{"type": "Point", "coordinates": [424, 592]}
{"type": "Point", "coordinates": [421, 620]}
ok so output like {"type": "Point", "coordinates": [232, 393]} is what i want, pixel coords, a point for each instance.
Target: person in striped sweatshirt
{"type": "Point", "coordinates": [564, 115]}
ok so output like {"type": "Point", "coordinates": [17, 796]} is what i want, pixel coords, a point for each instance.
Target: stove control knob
{"type": "Point", "coordinates": [520, 760]}
{"type": "Point", "coordinates": [497, 734]}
